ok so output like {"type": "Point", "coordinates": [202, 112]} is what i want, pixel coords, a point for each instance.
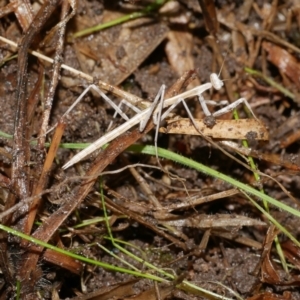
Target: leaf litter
{"type": "Point", "coordinates": [175, 39]}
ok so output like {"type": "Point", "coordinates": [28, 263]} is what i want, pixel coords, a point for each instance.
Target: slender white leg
{"type": "Point", "coordinates": [167, 112]}
{"type": "Point", "coordinates": [215, 103]}
{"type": "Point", "coordinates": [232, 106]}
{"type": "Point", "coordinates": [224, 110]}
{"type": "Point", "coordinates": [108, 137]}
{"type": "Point", "coordinates": [77, 101]}
{"type": "Point", "coordinates": [110, 102]}
{"type": "Point", "coordinates": [123, 102]}
{"type": "Point", "coordinates": [140, 118]}
{"type": "Point", "coordinates": [204, 106]}
{"type": "Point", "coordinates": [189, 112]}
{"type": "Point", "coordinates": [151, 109]}
{"type": "Point", "coordinates": [157, 118]}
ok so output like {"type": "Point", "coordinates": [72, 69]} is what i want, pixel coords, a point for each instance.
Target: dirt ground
{"type": "Point", "coordinates": [198, 228]}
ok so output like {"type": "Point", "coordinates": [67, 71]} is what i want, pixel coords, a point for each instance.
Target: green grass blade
{"type": "Point", "coordinates": [163, 153]}
{"type": "Point", "coordinates": [79, 257]}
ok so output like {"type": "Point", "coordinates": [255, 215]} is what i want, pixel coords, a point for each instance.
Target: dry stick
{"type": "Point", "coordinates": [30, 217]}
{"type": "Point", "coordinates": [21, 150]}
{"type": "Point", "coordinates": [275, 159]}
{"type": "Point", "coordinates": [5, 182]}
{"type": "Point", "coordinates": [141, 220]}
{"type": "Point", "coordinates": [117, 146]}
{"type": "Point", "coordinates": [210, 16]}
{"type": "Point", "coordinates": [56, 70]}
{"type": "Point", "coordinates": [63, 261]}
{"type": "Point", "coordinates": [143, 184]}
{"type": "Point", "coordinates": [21, 145]}
{"type": "Point", "coordinates": [103, 85]}
{"type": "Point", "coordinates": [22, 10]}
{"type": "Point", "coordinates": [195, 200]}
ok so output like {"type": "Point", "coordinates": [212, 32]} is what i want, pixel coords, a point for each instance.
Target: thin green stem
{"type": "Point", "coordinates": [163, 153]}
{"type": "Point", "coordinates": [257, 178]}
{"type": "Point", "coordinates": [146, 11]}
{"type": "Point", "coordinates": [271, 82]}
{"type": "Point", "coordinates": [79, 257]}
{"type": "Point", "coordinates": [138, 259]}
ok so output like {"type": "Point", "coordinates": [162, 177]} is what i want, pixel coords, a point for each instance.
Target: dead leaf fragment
{"type": "Point", "coordinates": [116, 52]}
{"type": "Point", "coordinates": [112, 292]}
{"type": "Point", "coordinates": [179, 51]}
{"type": "Point", "coordinates": [285, 62]}
{"type": "Point", "coordinates": [151, 294]}
{"type": "Point", "coordinates": [292, 252]}
{"type": "Point", "coordinates": [212, 221]}
{"type": "Point", "coordinates": [223, 129]}
{"type": "Point", "coordinates": [271, 296]}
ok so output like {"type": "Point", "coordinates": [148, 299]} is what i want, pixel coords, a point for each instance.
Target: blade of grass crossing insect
{"type": "Point", "coordinates": [257, 178]}
{"type": "Point", "coordinates": [163, 153]}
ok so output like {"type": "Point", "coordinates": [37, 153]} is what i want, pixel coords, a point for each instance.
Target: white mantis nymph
{"type": "Point", "coordinates": [142, 117]}
{"type": "Point", "coordinates": [155, 110]}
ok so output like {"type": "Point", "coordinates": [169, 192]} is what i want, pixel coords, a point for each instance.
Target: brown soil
{"type": "Point", "coordinates": [139, 56]}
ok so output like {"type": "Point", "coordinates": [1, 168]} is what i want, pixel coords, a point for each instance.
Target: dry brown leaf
{"type": "Point", "coordinates": [284, 61]}
{"type": "Point", "coordinates": [271, 296]}
{"type": "Point", "coordinates": [179, 51]}
{"type": "Point", "coordinates": [212, 221]}
{"type": "Point", "coordinates": [116, 52]}
{"type": "Point", "coordinates": [151, 294]}
{"type": "Point", "coordinates": [223, 129]}
{"type": "Point", "coordinates": [116, 291]}
{"type": "Point", "coordinates": [292, 252]}
{"type": "Point", "coordinates": [63, 261]}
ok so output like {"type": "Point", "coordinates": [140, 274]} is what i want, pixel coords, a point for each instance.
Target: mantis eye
{"type": "Point", "coordinates": [215, 81]}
